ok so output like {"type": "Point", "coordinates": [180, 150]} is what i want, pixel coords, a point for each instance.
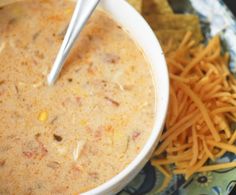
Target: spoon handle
{"type": "Point", "coordinates": [82, 12]}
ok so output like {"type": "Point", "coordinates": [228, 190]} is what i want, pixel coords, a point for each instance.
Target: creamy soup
{"type": "Point", "coordinates": [79, 133]}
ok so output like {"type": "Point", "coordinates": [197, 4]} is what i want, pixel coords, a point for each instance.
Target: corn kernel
{"type": "Point", "coordinates": [83, 122]}
{"type": "Point", "coordinates": [69, 11]}
{"type": "Point", "coordinates": [43, 116]}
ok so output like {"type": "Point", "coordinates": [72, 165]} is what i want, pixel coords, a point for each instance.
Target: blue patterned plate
{"type": "Point", "coordinates": [215, 19]}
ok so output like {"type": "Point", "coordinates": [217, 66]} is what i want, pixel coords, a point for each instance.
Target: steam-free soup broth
{"type": "Point", "coordinates": [79, 133]}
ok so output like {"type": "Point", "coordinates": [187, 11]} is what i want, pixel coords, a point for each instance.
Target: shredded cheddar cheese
{"type": "Point", "coordinates": [202, 106]}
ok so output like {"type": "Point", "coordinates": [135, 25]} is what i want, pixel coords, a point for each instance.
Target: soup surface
{"type": "Point", "coordinates": [79, 133]}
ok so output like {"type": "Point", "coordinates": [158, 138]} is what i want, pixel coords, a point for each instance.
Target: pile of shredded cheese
{"type": "Point", "coordinates": [202, 107]}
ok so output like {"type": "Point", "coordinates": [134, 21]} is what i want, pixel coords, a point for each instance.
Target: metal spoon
{"type": "Point", "coordinates": [82, 12]}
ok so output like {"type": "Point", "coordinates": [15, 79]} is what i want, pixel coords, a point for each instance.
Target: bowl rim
{"type": "Point", "coordinates": [152, 141]}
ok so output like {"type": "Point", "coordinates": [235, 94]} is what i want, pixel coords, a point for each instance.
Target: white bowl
{"type": "Point", "coordinates": [133, 22]}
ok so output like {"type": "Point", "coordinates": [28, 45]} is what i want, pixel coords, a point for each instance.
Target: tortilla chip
{"type": "Point", "coordinates": [175, 36]}
{"type": "Point", "coordinates": [156, 7]}
{"type": "Point", "coordinates": [137, 4]}
{"type": "Point", "coordinates": [176, 23]}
